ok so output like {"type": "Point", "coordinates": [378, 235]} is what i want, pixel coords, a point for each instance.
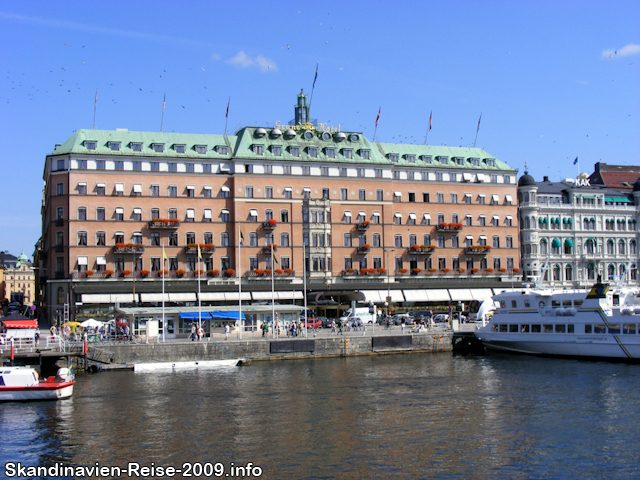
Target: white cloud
{"type": "Point", "coordinates": [631, 49]}
{"type": "Point", "coordinates": [242, 60]}
{"type": "Point", "coordinates": [214, 57]}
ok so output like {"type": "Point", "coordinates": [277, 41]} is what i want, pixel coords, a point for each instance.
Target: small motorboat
{"type": "Point", "coordinates": [152, 367]}
{"type": "Point", "coordinates": [23, 384]}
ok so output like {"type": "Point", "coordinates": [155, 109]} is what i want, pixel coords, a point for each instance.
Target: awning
{"type": "Point", "coordinates": [426, 216]}
{"type": "Point", "coordinates": [82, 184]}
{"type": "Point", "coordinates": [412, 216]}
{"type": "Point", "coordinates": [622, 200]}
{"type": "Point", "coordinates": [182, 297]}
{"type": "Point", "coordinates": [373, 296]}
{"type": "Point", "coordinates": [415, 295]}
{"type": "Point", "coordinates": [191, 213]}
{"type": "Point", "coordinates": [263, 295]}
{"type": "Point", "coordinates": [469, 237]}
{"type": "Point", "coordinates": [234, 297]}
{"type": "Point", "coordinates": [460, 294]}
{"type": "Point", "coordinates": [96, 298]}
{"type": "Point", "coordinates": [137, 210]}
{"type": "Point", "coordinates": [556, 243]}
{"type": "Point", "coordinates": [153, 297]}
{"type": "Point", "coordinates": [253, 212]}
{"type": "Point", "coordinates": [509, 217]}
{"type": "Point", "coordinates": [224, 188]}
{"type": "Point", "coordinates": [122, 298]}
{"type": "Point", "coordinates": [20, 323]}
{"type": "Point", "coordinates": [569, 221]}
{"type": "Point", "coordinates": [119, 187]}
{"type": "Point", "coordinates": [190, 187]}
{"type": "Point", "coordinates": [494, 198]}
{"type": "Point", "coordinates": [362, 213]}
{"type": "Point", "coordinates": [467, 195]}
{"type": "Point", "coordinates": [482, 237]}
{"type": "Point", "coordinates": [438, 295]}
{"type": "Point", "coordinates": [496, 217]}
{"type": "Point", "coordinates": [398, 214]}
{"type": "Point", "coordinates": [119, 210]}
{"type": "Point", "coordinates": [347, 213]}
{"type": "Point", "coordinates": [287, 189]}
{"type": "Point", "coordinates": [207, 213]}
{"type": "Point", "coordinates": [481, 293]}
{"type": "Point", "coordinates": [207, 187]}
{"type": "Point", "coordinates": [397, 193]}
{"type": "Point", "coordinates": [481, 195]}
{"type": "Point", "coordinates": [568, 243]}
{"type": "Point", "coordinates": [101, 184]}
{"type": "Point", "coordinates": [137, 188]}
{"type": "Point", "coordinates": [376, 214]}
{"type": "Point", "coordinates": [224, 210]}
{"type": "Point", "coordinates": [212, 296]}
{"type": "Point", "coordinates": [293, 295]}
{"type": "Point", "coordinates": [101, 260]}
{"type": "Point", "coordinates": [508, 198]}
{"type": "Point", "coordinates": [206, 315]}
{"type": "Point", "coordinates": [306, 189]}
{"type": "Point", "coordinates": [83, 260]}
{"type": "Point", "coordinates": [466, 177]}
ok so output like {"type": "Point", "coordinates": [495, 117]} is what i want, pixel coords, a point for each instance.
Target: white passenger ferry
{"type": "Point", "coordinates": [603, 322]}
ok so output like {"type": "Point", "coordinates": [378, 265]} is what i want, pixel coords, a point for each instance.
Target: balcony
{"type": "Point", "coordinates": [270, 224]}
{"type": "Point", "coordinates": [59, 222]}
{"type": "Point", "coordinates": [170, 223]}
{"type": "Point", "coordinates": [363, 226]}
{"type": "Point", "coordinates": [449, 227]}
{"type": "Point", "coordinates": [421, 249]}
{"type": "Point", "coordinates": [128, 248]}
{"type": "Point", "coordinates": [267, 249]}
{"type": "Point", "coordinates": [364, 248]}
{"type": "Point", "coordinates": [477, 250]}
{"type": "Point", "coordinates": [205, 249]}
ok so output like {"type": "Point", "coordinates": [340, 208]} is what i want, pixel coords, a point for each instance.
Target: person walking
{"type": "Point", "coordinates": [226, 332]}
{"type": "Point", "coordinates": [403, 325]}
{"type": "Point", "coordinates": [193, 332]}
{"type": "Point", "coordinates": [333, 326]}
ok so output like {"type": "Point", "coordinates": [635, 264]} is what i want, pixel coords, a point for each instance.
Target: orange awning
{"type": "Point", "coordinates": [20, 323]}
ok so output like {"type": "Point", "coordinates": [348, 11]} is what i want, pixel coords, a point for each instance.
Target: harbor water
{"type": "Point", "coordinates": [397, 416]}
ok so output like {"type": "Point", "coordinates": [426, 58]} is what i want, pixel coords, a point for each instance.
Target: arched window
{"type": "Point", "coordinates": [527, 223]}
{"type": "Point", "coordinates": [611, 271]}
{"type": "Point", "coordinates": [610, 248]}
{"type": "Point", "coordinates": [591, 245]}
{"type": "Point", "coordinates": [60, 295]}
{"type": "Point", "coordinates": [591, 272]}
{"type": "Point", "coordinates": [543, 246]}
{"type": "Point", "coordinates": [568, 246]}
{"type": "Point", "coordinates": [622, 271]}
{"type": "Point", "coordinates": [556, 273]}
{"type": "Point", "coordinates": [555, 246]}
{"type": "Point", "coordinates": [621, 247]}
{"type": "Point", "coordinates": [632, 247]}
{"type": "Point", "coordinates": [633, 272]}
{"type": "Point", "coordinates": [568, 273]}
{"type": "Point", "coordinates": [586, 223]}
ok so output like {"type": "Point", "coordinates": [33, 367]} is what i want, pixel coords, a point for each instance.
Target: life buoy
{"type": "Point", "coordinates": [541, 304]}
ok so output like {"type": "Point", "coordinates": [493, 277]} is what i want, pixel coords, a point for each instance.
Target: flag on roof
{"type": "Point", "coordinates": [575, 161]}
{"type": "Point", "coordinates": [378, 117]}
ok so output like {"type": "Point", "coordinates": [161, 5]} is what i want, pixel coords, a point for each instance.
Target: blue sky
{"type": "Point", "coordinates": [552, 80]}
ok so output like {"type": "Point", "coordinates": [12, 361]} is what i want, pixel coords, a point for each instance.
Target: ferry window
{"type": "Point", "coordinates": [599, 328]}
{"type": "Point", "coordinates": [629, 328]}
{"type": "Point", "coordinates": [560, 328]}
{"type": "Point", "coordinates": [587, 328]}
{"type": "Point", "coordinates": [527, 303]}
{"type": "Point", "coordinates": [577, 303]}
{"type": "Point", "coordinates": [524, 328]}
{"type": "Point", "coordinates": [494, 328]}
{"type": "Point", "coordinates": [535, 328]}
{"type": "Point", "coordinates": [615, 328]}
{"type": "Point", "coordinates": [514, 304]}
{"type": "Point", "coordinates": [555, 303]}
{"type": "Point", "coordinates": [503, 328]}
{"type": "Point", "coordinates": [570, 328]}
{"type": "Point", "coordinates": [566, 303]}
{"type": "Point", "coordinates": [503, 304]}
{"type": "Point", "coordinates": [547, 329]}
{"type": "Point", "coordinates": [513, 328]}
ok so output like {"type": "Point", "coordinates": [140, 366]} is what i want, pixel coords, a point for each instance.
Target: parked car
{"type": "Point", "coordinates": [441, 318]}
{"type": "Point", "coordinates": [408, 319]}
{"type": "Point", "coordinates": [314, 323]}
{"type": "Point", "coordinates": [326, 322]}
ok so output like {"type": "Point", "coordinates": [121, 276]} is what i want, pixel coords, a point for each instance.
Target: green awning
{"type": "Point", "coordinates": [622, 200]}
{"type": "Point", "coordinates": [592, 239]}
{"type": "Point", "coordinates": [546, 220]}
{"type": "Point", "coordinates": [541, 220]}
{"type": "Point", "coordinates": [556, 243]}
{"type": "Point", "coordinates": [569, 221]}
{"type": "Point", "coordinates": [568, 243]}
{"type": "Point", "coordinates": [564, 220]}
{"type": "Point", "coordinates": [553, 220]}
{"type": "Point", "coordinates": [590, 198]}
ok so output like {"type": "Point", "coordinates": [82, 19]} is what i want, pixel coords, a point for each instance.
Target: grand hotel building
{"type": "Point", "coordinates": [418, 223]}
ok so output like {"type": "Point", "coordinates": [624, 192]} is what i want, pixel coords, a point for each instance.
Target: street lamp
{"type": "Point", "coordinates": [388, 302]}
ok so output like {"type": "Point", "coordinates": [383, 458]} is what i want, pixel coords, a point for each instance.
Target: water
{"type": "Point", "coordinates": [398, 416]}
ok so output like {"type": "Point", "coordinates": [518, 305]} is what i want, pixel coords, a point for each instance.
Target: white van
{"type": "Point", "coordinates": [359, 313]}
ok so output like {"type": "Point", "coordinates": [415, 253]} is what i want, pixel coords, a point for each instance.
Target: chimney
{"type": "Point", "coordinates": [545, 178]}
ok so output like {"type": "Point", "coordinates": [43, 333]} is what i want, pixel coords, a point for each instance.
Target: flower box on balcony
{"type": "Point", "coordinates": [449, 227]}
{"type": "Point", "coordinates": [180, 273]}
{"type": "Point", "coordinates": [403, 270]}
{"type": "Point", "coordinates": [446, 270]}
{"type": "Point", "coordinates": [364, 225]}
{"type": "Point", "coordinates": [270, 224]}
{"type": "Point", "coordinates": [163, 273]}
{"type": "Point", "coordinates": [488, 270]}
{"type": "Point", "coordinates": [416, 271]}
{"type": "Point", "coordinates": [88, 273]}
{"type": "Point", "coordinates": [288, 271]}
{"type": "Point", "coordinates": [229, 272]}
{"type": "Point", "coordinates": [125, 273]}
{"type": "Point", "coordinates": [258, 272]}
{"type": "Point", "coordinates": [164, 223]}
{"type": "Point", "coordinates": [213, 273]}
{"type": "Point", "coordinates": [144, 273]}
{"type": "Point", "coordinates": [267, 248]}
{"type": "Point", "coordinates": [516, 270]}
{"type": "Point", "coordinates": [382, 271]}
{"type": "Point", "coordinates": [128, 248]}
{"type": "Point", "coordinates": [421, 249]}
{"type": "Point", "coordinates": [364, 248]}
{"type": "Point", "coordinates": [477, 250]}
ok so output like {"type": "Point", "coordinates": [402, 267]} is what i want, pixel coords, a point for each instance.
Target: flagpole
{"type": "Point", "coordinates": [199, 300]}
{"type": "Point", "coordinates": [164, 101]}
{"type": "Point", "coordinates": [95, 107]}
{"type": "Point", "coordinates": [164, 321]}
{"type": "Point", "coordinates": [273, 305]}
{"type": "Point", "coordinates": [477, 130]}
{"type": "Point", "coordinates": [239, 283]}
{"type": "Point", "coordinates": [304, 286]}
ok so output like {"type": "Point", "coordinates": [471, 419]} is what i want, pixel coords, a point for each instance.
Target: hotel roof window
{"type": "Point", "coordinates": [347, 153]}
{"type": "Point", "coordinates": [222, 149]}
{"type": "Point", "coordinates": [295, 151]}
{"type": "Point", "coordinates": [459, 160]}
{"type": "Point", "coordinates": [90, 144]}
{"type": "Point", "coordinates": [366, 154]}
{"type": "Point", "coordinates": [442, 159]}
{"type": "Point", "coordinates": [354, 138]}
{"type": "Point", "coordinates": [308, 135]}
{"type": "Point", "coordinates": [136, 146]}
{"type": "Point", "coordinates": [158, 147]}
{"type": "Point", "coordinates": [474, 161]}
{"type": "Point", "coordinates": [115, 146]}
{"type": "Point", "coordinates": [326, 136]}
{"type": "Point", "coordinates": [276, 150]}
{"type": "Point", "coordinates": [258, 149]}
{"type": "Point", "coordinates": [410, 158]}
{"type": "Point", "coordinates": [313, 151]}
{"type": "Point", "coordinates": [330, 152]}
{"type": "Point", "coordinates": [426, 158]}
{"type": "Point", "coordinates": [393, 157]}
{"type": "Point", "coordinates": [180, 148]}
{"type": "Point", "coordinates": [490, 162]}
{"type": "Point", "coordinates": [201, 149]}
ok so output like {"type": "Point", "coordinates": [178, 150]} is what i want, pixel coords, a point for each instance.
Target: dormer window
{"type": "Point", "coordinates": [136, 147]}
{"type": "Point", "coordinates": [347, 152]}
{"type": "Point", "coordinates": [393, 157]}
{"type": "Point", "coordinates": [475, 161]}
{"type": "Point", "coordinates": [295, 151]}
{"type": "Point", "coordinates": [222, 149]}
{"type": "Point", "coordinates": [276, 150]}
{"type": "Point", "coordinates": [313, 151]}
{"type": "Point", "coordinates": [201, 149]}
{"type": "Point", "coordinates": [258, 149]}
{"type": "Point", "coordinates": [365, 154]}
{"type": "Point", "coordinates": [180, 148]}
{"type": "Point", "coordinates": [90, 145]}
{"type": "Point", "coordinates": [459, 160]}
{"type": "Point", "coordinates": [330, 152]}
{"type": "Point", "coordinates": [490, 162]}
{"type": "Point", "coordinates": [115, 146]}
{"type": "Point", "coordinates": [442, 159]}
{"type": "Point", "coordinates": [426, 158]}
{"type": "Point", "coordinates": [411, 158]}
{"type": "Point", "coordinates": [158, 147]}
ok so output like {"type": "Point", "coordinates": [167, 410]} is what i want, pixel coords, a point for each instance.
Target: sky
{"type": "Point", "coordinates": [547, 81]}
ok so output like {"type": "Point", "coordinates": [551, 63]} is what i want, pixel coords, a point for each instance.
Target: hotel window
{"type": "Point", "coordinates": [136, 147]}
{"type": "Point", "coordinates": [508, 242]}
{"type": "Point", "coordinates": [482, 240]}
{"type": "Point", "coordinates": [284, 239]}
{"type": "Point", "coordinates": [137, 214]}
{"type": "Point", "coordinates": [343, 172]}
{"type": "Point", "coordinates": [82, 238]}
{"type": "Point", "coordinates": [191, 238]}
{"type": "Point", "coordinates": [295, 151]}
{"type": "Point", "coordinates": [248, 191]}
{"type": "Point", "coordinates": [101, 239]}
{"type": "Point", "coordinates": [362, 194]}
{"type": "Point", "coordinates": [347, 153]}
{"type": "Point", "coordinates": [508, 221]}
{"type": "Point", "coordinates": [253, 215]}
{"type": "Point", "coordinates": [201, 149]}
{"type": "Point", "coordinates": [491, 163]}
{"type": "Point", "coordinates": [439, 176]}
{"type": "Point", "coordinates": [180, 148]}
{"type": "Point", "coordinates": [190, 167]}
{"type": "Point", "coordinates": [393, 157]}
{"type": "Point", "coordinates": [286, 169]}
{"type": "Point", "coordinates": [91, 145]}
{"type": "Point", "coordinates": [268, 168]}
{"type": "Point", "coordinates": [360, 172]}
{"type": "Point", "coordinates": [173, 167]}
{"type": "Point", "coordinates": [494, 178]}
{"type": "Point", "coordinates": [324, 171]}
{"type": "Point", "coordinates": [119, 214]}
{"type": "Point", "coordinates": [481, 199]}
{"type": "Point", "coordinates": [60, 212]}
{"type": "Point", "coordinates": [397, 218]}
{"type": "Point", "coordinates": [100, 215]}
{"type": "Point", "coordinates": [379, 195]}
{"type": "Point", "coordinates": [137, 190]}
{"type": "Point", "coordinates": [137, 166]}
{"type": "Point", "coordinates": [313, 151]}
{"type": "Point", "coordinates": [60, 165]}
{"type": "Point", "coordinates": [365, 154]}
{"type": "Point", "coordinates": [343, 194]}
{"type": "Point", "coordinates": [118, 237]}
{"type": "Point", "coordinates": [268, 192]}
{"type": "Point", "coordinates": [288, 192]}
{"type": "Point", "coordinates": [248, 168]}
{"type": "Point", "coordinates": [454, 198]}
{"type": "Point", "coordinates": [396, 175]}
{"type": "Point", "coordinates": [253, 239]}
{"type": "Point", "coordinates": [413, 240]}
{"type": "Point", "coordinates": [325, 193]}
{"type": "Point", "coordinates": [155, 213]}
{"type": "Point", "coordinates": [224, 191]}
{"type": "Point", "coordinates": [206, 168]}
{"type": "Point", "coordinates": [191, 191]}
{"type": "Point", "coordinates": [375, 218]}
{"type": "Point", "coordinates": [173, 213]}
{"type": "Point", "coordinates": [495, 221]}
{"type": "Point", "coordinates": [496, 241]}
{"type": "Point", "coordinates": [425, 197]}
{"type": "Point", "coordinates": [440, 197]}
{"type": "Point", "coordinates": [306, 193]}
{"type": "Point", "coordinates": [397, 241]}
{"type": "Point", "coordinates": [268, 215]}
{"type": "Point", "coordinates": [348, 263]}
{"type": "Point", "coordinates": [362, 216]}
{"type": "Point", "coordinates": [397, 196]}
{"type": "Point", "coordinates": [468, 220]}
{"type": "Point", "coordinates": [482, 221]}
{"type": "Point", "coordinates": [426, 219]}
{"type": "Point", "coordinates": [82, 188]}
{"type": "Point", "coordinates": [331, 152]}
{"type": "Point", "coordinates": [155, 190]}
{"type": "Point", "coordinates": [284, 216]}
{"type": "Point", "coordinates": [119, 165]}
{"type": "Point", "coordinates": [207, 215]}
{"type": "Point", "coordinates": [82, 164]}
{"type": "Point", "coordinates": [191, 215]}
{"type": "Point", "coordinates": [100, 189]}
{"type": "Point", "coordinates": [378, 172]}
{"type": "Point", "coordinates": [440, 218]}
{"type": "Point", "coordinates": [155, 166]}
{"type": "Point", "coordinates": [222, 150]}
{"type": "Point", "coordinates": [410, 175]}
{"type": "Point", "coordinates": [206, 191]}
{"type": "Point", "coordinates": [411, 158]}
{"type": "Point", "coordinates": [155, 239]}
{"type": "Point", "coordinates": [173, 239]}
{"type": "Point", "coordinates": [158, 147]}
{"type": "Point", "coordinates": [137, 238]}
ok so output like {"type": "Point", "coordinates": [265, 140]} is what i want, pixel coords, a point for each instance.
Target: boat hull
{"type": "Point", "coordinates": [152, 367]}
{"type": "Point", "coordinates": [42, 391]}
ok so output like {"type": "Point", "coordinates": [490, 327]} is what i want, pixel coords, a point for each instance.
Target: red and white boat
{"type": "Point", "coordinates": [22, 384]}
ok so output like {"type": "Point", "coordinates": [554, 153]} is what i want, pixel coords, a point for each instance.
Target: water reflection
{"type": "Point", "coordinates": [405, 416]}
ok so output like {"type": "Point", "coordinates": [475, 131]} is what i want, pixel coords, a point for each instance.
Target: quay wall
{"type": "Point", "coordinates": [278, 349]}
